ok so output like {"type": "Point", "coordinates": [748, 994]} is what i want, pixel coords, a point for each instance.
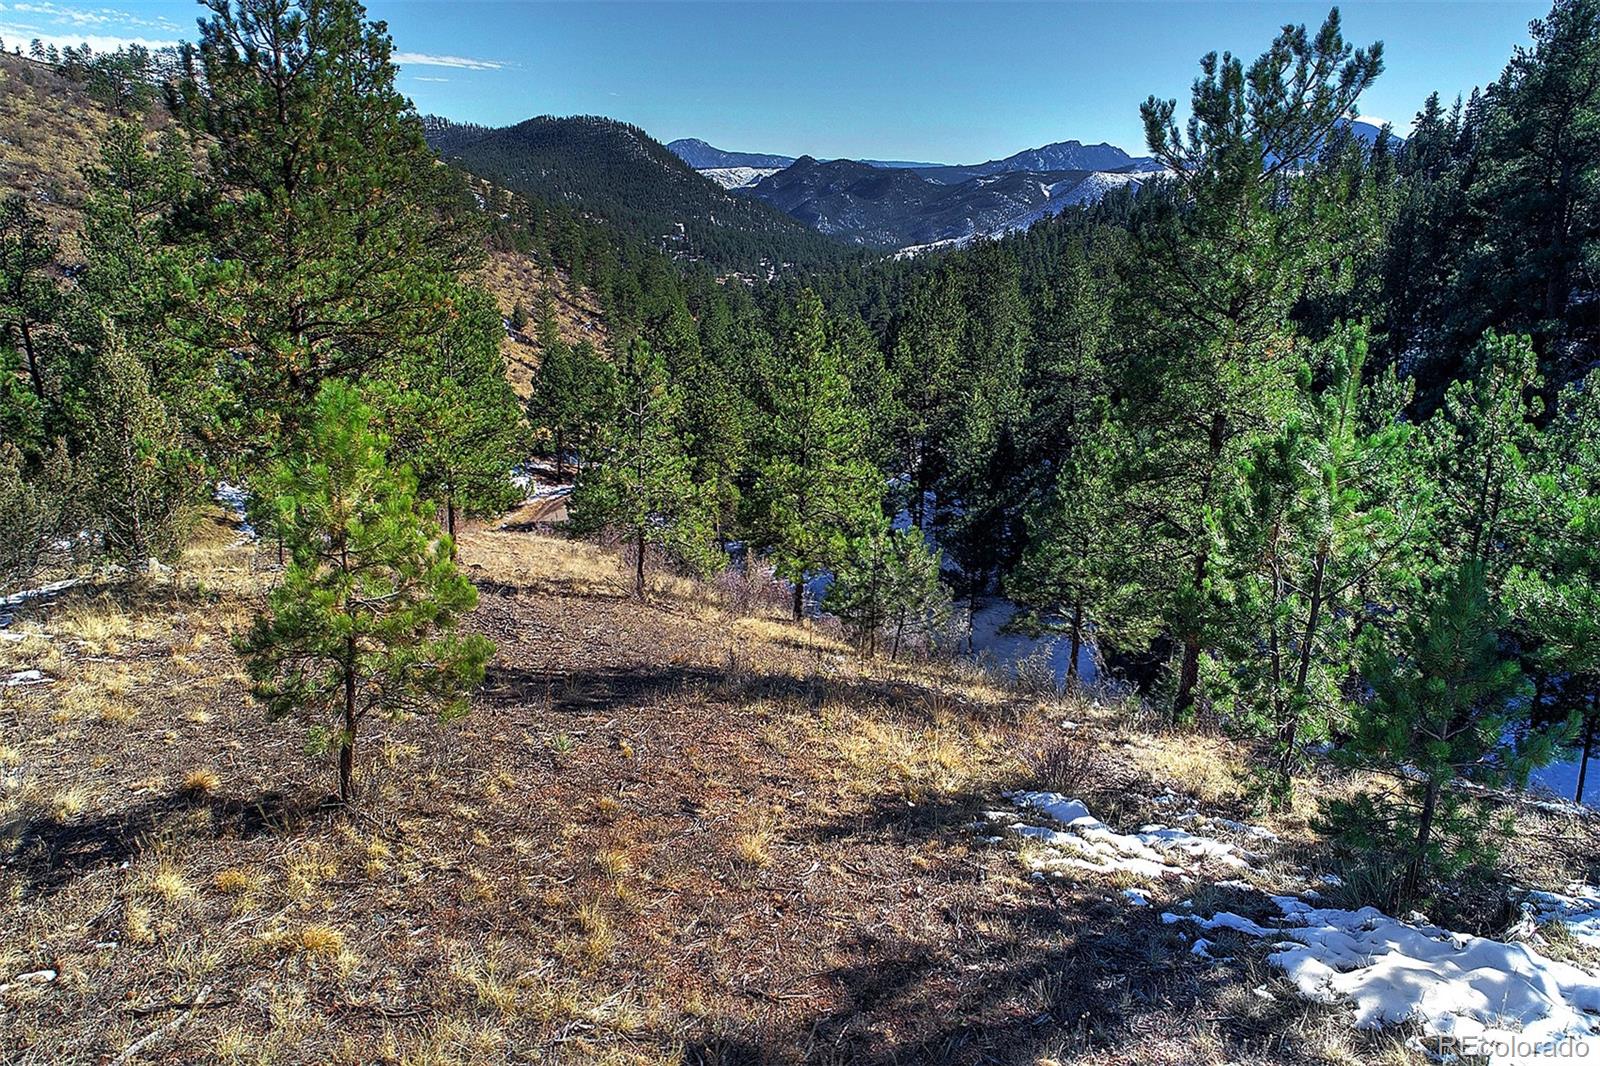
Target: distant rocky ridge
{"type": "Point", "coordinates": [899, 205]}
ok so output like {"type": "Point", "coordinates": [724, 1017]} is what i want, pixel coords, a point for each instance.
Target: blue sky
{"type": "Point", "coordinates": [945, 82]}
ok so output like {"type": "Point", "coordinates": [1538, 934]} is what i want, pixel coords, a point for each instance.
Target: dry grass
{"type": "Point", "coordinates": [663, 835]}
{"type": "Point", "coordinates": [1208, 768]}
{"type": "Point", "coordinates": [514, 279]}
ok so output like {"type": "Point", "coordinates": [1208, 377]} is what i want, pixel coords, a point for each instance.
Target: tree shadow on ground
{"type": "Point", "coordinates": [606, 689]}
{"type": "Point", "coordinates": [1049, 969]}
{"type": "Point", "coordinates": [47, 854]}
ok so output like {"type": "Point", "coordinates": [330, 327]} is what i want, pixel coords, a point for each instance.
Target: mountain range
{"type": "Point", "coordinates": [702, 156]}
{"type": "Point", "coordinates": [880, 208]}
{"type": "Point", "coordinates": [618, 173]}
{"type": "Point", "coordinates": [742, 210]}
{"type": "Point", "coordinates": [896, 205]}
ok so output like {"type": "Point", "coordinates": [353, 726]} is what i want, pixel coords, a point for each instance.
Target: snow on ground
{"type": "Point", "coordinates": [25, 677]}
{"type": "Point", "coordinates": [235, 498]}
{"type": "Point", "coordinates": [1561, 780]}
{"type": "Point", "coordinates": [43, 594]}
{"type": "Point", "coordinates": [538, 483]}
{"type": "Point", "coordinates": [1010, 650]}
{"type": "Point", "coordinates": [1506, 1002]}
{"type": "Point", "coordinates": [1083, 842]}
{"type": "Point", "coordinates": [1578, 909]}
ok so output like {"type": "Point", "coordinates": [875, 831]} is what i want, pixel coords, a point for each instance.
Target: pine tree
{"type": "Point", "coordinates": [573, 390]}
{"type": "Point", "coordinates": [334, 236]}
{"type": "Point", "coordinates": [888, 586]}
{"type": "Point", "coordinates": [145, 478]}
{"type": "Point", "coordinates": [983, 447]}
{"type": "Point", "coordinates": [925, 363]}
{"type": "Point", "coordinates": [41, 505]}
{"type": "Point", "coordinates": [813, 489]}
{"type": "Point", "coordinates": [1210, 365]}
{"type": "Point", "coordinates": [1481, 447]}
{"type": "Point", "coordinates": [1073, 576]}
{"type": "Point", "coordinates": [1557, 589]}
{"type": "Point", "coordinates": [1320, 541]}
{"type": "Point", "coordinates": [138, 263]}
{"type": "Point", "coordinates": [364, 617]}
{"type": "Point", "coordinates": [638, 479]}
{"type": "Point", "coordinates": [1534, 183]}
{"type": "Point", "coordinates": [1444, 694]}
{"type": "Point", "coordinates": [1073, 573]}
{"type": "Point", "coordinates": [721, 405]}
{"type": "Point", "coordinates": [452, 416]}
{"type": "Point", "coordinates": [29, 301]}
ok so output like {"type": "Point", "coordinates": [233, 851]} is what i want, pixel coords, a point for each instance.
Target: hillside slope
{"type": "Point", "coordinates": [51, 131]}
{"type": "Point", "coordinates": [619, 173]}
{"type": "Point", "coordinates": [679, 834]}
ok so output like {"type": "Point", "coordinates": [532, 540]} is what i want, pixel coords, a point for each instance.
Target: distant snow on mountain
{"type": "Point", "coordinates": [702, 156]}
{"type": "Point", "coordinates": [896, 211]}
{"type": "Point", "coordinates": [915, 207]}
{"type": "Point", "coordinates": [1065, 194]}
{"type": "Point", "coordinates": [738, 177]}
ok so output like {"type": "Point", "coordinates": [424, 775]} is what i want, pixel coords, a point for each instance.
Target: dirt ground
{"type": "Point", "coordinates": [666, 833]}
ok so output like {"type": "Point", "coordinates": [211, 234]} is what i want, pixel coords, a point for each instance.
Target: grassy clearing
{"type": "Point", "coordinates": [665, 835]}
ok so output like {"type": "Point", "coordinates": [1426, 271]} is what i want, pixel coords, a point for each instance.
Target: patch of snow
{"type": "Point", "coordinates": [534, 487]}
{"type": "Point", "coordinates": [236, 498]}
{"type": "Point", "coordinates": [991, 640]}
{"type": "Point", "coordinates": [1220, 920]}
{"type": "Point", "coordinates": [42, 594]}
{"type": "Point", "coordinates": [913, 250]}
{"type": "Point", "coordinates": [1578, 909]}
{"type": "Point", "coordinates": [1560, 780]}
{"type": "Point", "coordinates": [1136, 896]}
{"type": "Point", "coordinates": [1260, 832]}
{"type": "Point", "coordinates": [738, 177]}
{"type": "Point", "coordinates": [1086, 843]}
{"type": "Point", "coordinates": [25, 677]}
{"type": "Point", "coordinates": [1504, 1001]}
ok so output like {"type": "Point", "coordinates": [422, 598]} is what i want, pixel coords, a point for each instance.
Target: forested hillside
{"type": "Point", "coordinates": [617, 173]}
{"type": "Point", "coordinates": [545, 607]}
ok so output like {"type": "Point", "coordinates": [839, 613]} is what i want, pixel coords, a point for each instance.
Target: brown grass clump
{"type": "Point", "coordinates": [201, 780]}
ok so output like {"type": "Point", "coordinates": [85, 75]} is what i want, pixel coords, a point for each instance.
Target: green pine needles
{"type": "Point", "coordinates": [364, 618]}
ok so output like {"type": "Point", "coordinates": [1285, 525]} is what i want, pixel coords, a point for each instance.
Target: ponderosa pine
{"type": "Point", "coordinates": [364, 618]}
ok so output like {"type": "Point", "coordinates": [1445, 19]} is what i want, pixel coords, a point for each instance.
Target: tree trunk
{"type": "Point", "coordinates": [1077, 641]}
{"type": "Point", "coordinates": [1588, 747]}
{"type": "Point", "coordinates": [800, 596]}
{"type": "Point", "coordinates": [347, 742]}
{"type": "Point", "coordinates": [1189, 671]}
{"type": "Point", "coordinates": [1289, 729]}
{"type": "Point", "coordinates": [1411, 887]}
{"type": "Point", "coordinates": [1188, 678]}
{"type": "Point", "coordinates": [638, 567]}
{"type": "Point", "coordinates": [450, 522]}
{"type": "Point", "coordinates": [560, 464]}
{"type": "Point", "coordinates": [35, 374]}
{"type": "Point", "coordinates": [972, 618]}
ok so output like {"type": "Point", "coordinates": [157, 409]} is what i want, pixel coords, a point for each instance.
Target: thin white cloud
{"type": "Point", "coordinates": [421, 77]}
{"type": "Point", "coordinates": [100, 42]}
{"type": "Point", "coordinates": [101, 16]}
{"type": "Point", "coordinates": [423, 59]}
